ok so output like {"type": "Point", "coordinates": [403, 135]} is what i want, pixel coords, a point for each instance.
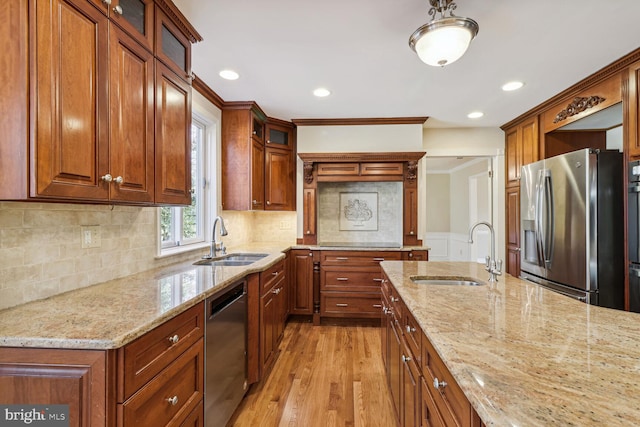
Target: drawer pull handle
{"type": "Point", "coordinates": [275, 273]}
{"type": "Point", "coordinates": [394, 299]}
{"type": "Point", "coordinates": [378, 259]}
{"type": "Point", "coordinates": [378, 280]}
{"type": "Point", "coordinates": [276, 291]}
{"type": "Point", "coordinates": [173, 400]}
{"type": "Point", "coordinates": [342, 305]}
{"type": "Point", "coordinates": [342, 258]}
{"type": "Point", "coordinates": [439, 385]}
{"type": "Point", "coordinates": [377, 305]}
{"type": "Point", "coordinates": [342, 279]}
{"type": "Point", "coordinates": [410, 329]}
{"type": "Point", "coordinates": [174, 339]}
{"type": "Point", "coordinates": [406, 359]}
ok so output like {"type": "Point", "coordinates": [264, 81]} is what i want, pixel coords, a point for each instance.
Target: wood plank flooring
{"type": "Point", "coordinates": [328, 375]}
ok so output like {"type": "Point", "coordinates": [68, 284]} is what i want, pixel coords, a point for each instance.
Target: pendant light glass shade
{"type": "Point", "coordinates": [443, 41]}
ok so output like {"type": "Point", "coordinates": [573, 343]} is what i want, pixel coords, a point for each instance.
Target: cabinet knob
{"type": "Point", "coordinates": [106, 178]}
{"type": "Point", "coordinates": [174, 339]}
{"type": "Point", "coordinates": [106, 2]}
{"type": "Point", "coordinates": [410, 254]}
{"type": "Point", "coordinates": [406, 358]}
{"type": "Point", "coordinates": [394, 299]}
{"type": "Point", "coordinates": [410, 329]}
{"type": "Point", "coordinates": [255, 202]}
{"type": "Point", "coordinates": [310, 253]}
{"type": "Point", "coordinates": [411, 233]}
{"type": "Point", "coordinates": [118, 180]}
{"type": "Point", "coordinates": [268, 203]}
{"type": "Point", "coordinates": [308, 231]}
{"type": "Point", "coordinates": [439, 385]}
{"type": "Point", "coordinates": [173, 400]}
{"type": "Point", "coordinates": [118, 10]}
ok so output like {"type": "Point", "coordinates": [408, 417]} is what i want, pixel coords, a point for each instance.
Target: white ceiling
{"type": "Point", "coordinates": [358, 49]}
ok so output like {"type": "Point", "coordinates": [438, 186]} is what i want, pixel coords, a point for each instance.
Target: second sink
{"type": "Point", "coordinates": [445, 280]}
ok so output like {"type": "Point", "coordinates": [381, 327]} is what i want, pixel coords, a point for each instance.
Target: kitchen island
{"type": "Point", "coordinates": [523, 355]}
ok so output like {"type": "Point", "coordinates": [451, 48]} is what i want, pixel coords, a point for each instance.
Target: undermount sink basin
{"type": "Point", "coordinates": [232, 260]}
{"type": "Point", "coordinates": [445, 280]}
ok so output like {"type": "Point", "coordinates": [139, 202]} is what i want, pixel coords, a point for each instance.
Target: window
{"type": "Point", "coordinates": [181, 226]}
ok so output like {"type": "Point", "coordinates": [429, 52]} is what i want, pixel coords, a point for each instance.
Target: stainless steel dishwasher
{"type": "Point", "coordinates": [225, 354]}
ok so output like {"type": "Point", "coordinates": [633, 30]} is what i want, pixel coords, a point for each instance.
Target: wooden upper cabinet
{"type": "Point", "coordinates": [280, 166]}
{"type": "Point", "coordinates": [173, 138]}
{"type": "Point", "coordinates": [133, 16]}
{"type": "Point", "coordinates": [521, 144]}
{"type": "Point", "coordinates": [243, 157]}
{"type": "Point", "coordinates": [70, 107]}
{"type": "Point", "coordinates": [512, 204]}
{"type": "Point", "coordinates": [132, 118]}
{"type": "Point", "coordinates": [633, 125]}
{"type": "Point", "coordinates": [172, 47]}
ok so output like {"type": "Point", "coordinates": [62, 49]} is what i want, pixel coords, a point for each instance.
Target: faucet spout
{"type": "Point", "coordinates": [493, 266]}
{"type": "Point", "coordinates": [214, 243]}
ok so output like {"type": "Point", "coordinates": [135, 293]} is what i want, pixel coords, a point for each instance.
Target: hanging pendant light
{"type": "Point", "coordinates": [443, 40]}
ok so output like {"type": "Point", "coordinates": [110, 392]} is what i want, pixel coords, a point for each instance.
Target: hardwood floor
{"type": "Point", "coordinates": [324, 376]}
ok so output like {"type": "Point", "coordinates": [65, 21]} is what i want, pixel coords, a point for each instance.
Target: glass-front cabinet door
{"type": "Point", "coordinates": [279, 136]}
{"type": "Point", "coordinates": [136, 18]}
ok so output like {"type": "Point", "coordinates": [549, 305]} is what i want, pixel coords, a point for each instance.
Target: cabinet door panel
{"type": "Point", "coordinates": [257, 175]}
{"type": "Point", "coordinates": [136, 19]}
{"type": "Point", "coordinates": [132, 118]}
{"type": "Point", "coordinates": [173, 138]}
{"type": "Point", "coordinates": [513, 230]}
{"type": "Point", "coordinates": [278, 179]}
{"type": "Point", "coordinates": [301, 284]}
{"type": "Point", "coordinates": [70, 89]}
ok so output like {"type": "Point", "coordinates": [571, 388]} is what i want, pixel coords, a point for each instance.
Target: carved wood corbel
{"type": "Point", "coordinates": [578, 105]}
{"type": "Point", "coordinates": [412, 170]}
{"type": "Point", "coordinates": [308, 172]}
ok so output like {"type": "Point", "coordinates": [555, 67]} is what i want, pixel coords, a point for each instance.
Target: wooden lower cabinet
{"type": "Point", "coordinates": [273, 313]}
{"type": "Point", "coordinates": [77, 378]}
{"type": "Point", "coordinates": [350, 282]}
{"type": "Point", "coordinates": [156, 380]}
{"type": "Point", "coordinates": [301, 281]}
{"type": "Point", "coordinates": [412, 366]}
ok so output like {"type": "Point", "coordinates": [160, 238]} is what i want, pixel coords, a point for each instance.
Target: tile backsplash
{"type": "Point", "coordinates": [382, 203]}
{"type": "Point", "coordinates": [41, 251]}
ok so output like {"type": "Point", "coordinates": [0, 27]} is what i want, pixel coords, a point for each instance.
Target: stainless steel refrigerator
{"type": "Point", "coordinates": [572, 231]}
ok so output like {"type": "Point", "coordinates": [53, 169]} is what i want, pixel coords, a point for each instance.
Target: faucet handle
{"type": "Point", "coordinates": [499, 267]}
{"type": "Point", "coordinates": [223, 248]}
{"type": "Point", "coordinates": [487, 263]}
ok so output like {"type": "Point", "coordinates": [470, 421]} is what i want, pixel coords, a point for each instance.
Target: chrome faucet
{"type": "Point", "coordinates": [493, 266]}
{"type": "Point", "coordinates": [214, 243]}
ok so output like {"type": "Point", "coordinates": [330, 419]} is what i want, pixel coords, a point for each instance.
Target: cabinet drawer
{"type": "Point", "coordinates": [338, 169]}
{"type": "Point", "coordinates": [171, 396]}
{"type": "Point", "coordinates": [351, 279]}
{"type": "Point", "coordinates": [429, 411]}
{"type": "Point", "coordinates": [270, 276]}
{"type": "Point", "coordinates": [350, 304]}
{"type": "Point", "coordinates": [358, 258]}
{"type": "Point", "coordinates": [381, 169]}
{"type": "Point", "coordinates": [452, 404]}
{"type": "Point", "coordinates": [144, 358]}
{"type": "Point", "coordinates": [412, 335]}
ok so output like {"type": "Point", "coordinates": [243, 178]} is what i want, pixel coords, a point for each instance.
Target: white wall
{"type": "Point", "coordinates": [356, 139]}
{"type": "Point", "coordinates": [444, 142]}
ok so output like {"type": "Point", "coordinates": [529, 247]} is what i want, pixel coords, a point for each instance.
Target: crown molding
{"type": "Point", "coordinates": [361, 121]}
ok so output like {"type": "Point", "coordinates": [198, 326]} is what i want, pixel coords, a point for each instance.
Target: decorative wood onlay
{"type": "Point", "coordinates": [360, 122]}
{"type": "Point", "coordinates": [607, 72]}
{"type": "Point", "coordinates": [179, 20]}
{"type": "Point", "coordinates": [204, 90]}
{"type": "Point", "coordinates": [411, 157]}
{"type": "Point", "coordinates": [577, 106]}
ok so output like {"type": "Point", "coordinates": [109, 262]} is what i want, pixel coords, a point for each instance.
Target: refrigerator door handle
{"type": "Point", "coordinates": [549, 229]}
{"type": "Point", "coordinates": [538, 218]}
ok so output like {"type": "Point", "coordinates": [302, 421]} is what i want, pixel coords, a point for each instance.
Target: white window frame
{"type": "Point", "coordinates": [204, 191]}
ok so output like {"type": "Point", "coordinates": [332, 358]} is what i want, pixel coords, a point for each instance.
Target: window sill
{"type": "Point", "coordinates": [177, 250]}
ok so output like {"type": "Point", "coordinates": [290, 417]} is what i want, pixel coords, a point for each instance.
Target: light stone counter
{"type": "Point", "coordinates": [112, 314]}
{"type": "Point", "coordinates": [526, 356]}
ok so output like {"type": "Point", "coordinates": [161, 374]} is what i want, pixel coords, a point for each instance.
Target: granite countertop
{"type": "Point", "coordinates": [524, 355]}
{"type": "Point", "coordinates": [112, 314]}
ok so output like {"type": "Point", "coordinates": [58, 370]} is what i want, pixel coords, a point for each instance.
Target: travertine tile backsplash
{"type": "Point", "coordinates": [41, 252]}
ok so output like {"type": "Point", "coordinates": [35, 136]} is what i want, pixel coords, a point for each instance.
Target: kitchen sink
{"type": "Point", "coordinates": [232, 260]}
{"type": "Point", "coordinates": [446, 280]}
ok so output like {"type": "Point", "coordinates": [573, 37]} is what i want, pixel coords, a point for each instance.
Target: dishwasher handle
{"type": "Point", "coordinates": [218, 304]}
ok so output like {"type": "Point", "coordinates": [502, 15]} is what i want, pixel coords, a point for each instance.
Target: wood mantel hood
{"type": "Point", "coordinates": [361, 157]}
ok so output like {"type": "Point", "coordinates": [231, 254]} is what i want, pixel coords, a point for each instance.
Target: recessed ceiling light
{"type": "Point", "coordinates": [475, 115]}
{"type": "Point", "coordinates": [508, 87]}
{"type": "Point", "coordinates": [229, 75]}
{"type": "Point", "coordinates": [321, 92]}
